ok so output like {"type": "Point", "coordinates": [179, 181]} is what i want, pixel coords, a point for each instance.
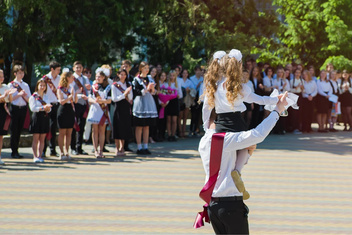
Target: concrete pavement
{"type": "Point", "coordinates": [298, 184]}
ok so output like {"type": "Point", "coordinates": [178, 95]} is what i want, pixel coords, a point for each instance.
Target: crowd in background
{"type": "Point", "coordinates": [146, 104]}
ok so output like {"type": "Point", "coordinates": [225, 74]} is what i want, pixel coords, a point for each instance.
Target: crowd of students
{"type": "Point", "coordinates": [148, 104]}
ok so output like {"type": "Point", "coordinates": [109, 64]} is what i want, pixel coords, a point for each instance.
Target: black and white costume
{"type": "Point", "coordinates": [40, 118]}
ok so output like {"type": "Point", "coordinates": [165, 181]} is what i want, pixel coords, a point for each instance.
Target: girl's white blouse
{"type": "Point", "coordinates": [117, 95]}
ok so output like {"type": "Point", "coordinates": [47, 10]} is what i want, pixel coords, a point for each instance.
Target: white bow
{"type": "Point", "coordinates": [234, 53]}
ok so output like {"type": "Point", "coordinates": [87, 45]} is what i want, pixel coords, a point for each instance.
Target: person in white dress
{"type": "Point", "coordinates": [98, 113]}
{"type": "Point", "coordinates": [39, 104]}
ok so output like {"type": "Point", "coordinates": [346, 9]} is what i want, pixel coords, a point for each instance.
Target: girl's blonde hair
{"type": "Point", "coordinates": [308, 74]}
{"type": "Point", "coordinates": [216, 70]}
{"type": "Point", "coordinates": [234, 80]}
{"type": "Point", "coordinates": [169, 82]}
{"type": "Point", "coordinates": [64, 79]}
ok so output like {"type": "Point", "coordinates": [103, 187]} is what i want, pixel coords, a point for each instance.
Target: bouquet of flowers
{"type": "Point", "coordinates": [165, 95]}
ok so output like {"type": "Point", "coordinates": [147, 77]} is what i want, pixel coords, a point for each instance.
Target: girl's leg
{"type": "Point", "coordinates": [95, 134]}
{"type": "Point", "coordinates": [168, 126]}
{"type": "Point", "coordinates": [138, 134]}
{"type": "Point", "coordinates": [173, 125]}
{"type": "Point", "coordinates": [68, 139]}
{"type": "Point", "coordinates": [323, 120]}
{"type": "Point", "coordinates": [184, 122]}
{"type": "Point", "coordinates": [319, 120]}
{"type": "Point", "coordinates": [122, 143]}
{"type": "Point", "coordinates": [179, 118]}
{"type": "Point", "coordinates": [61, 140]}
{"type": "Point", "coordinates": [101, 138]}
{"type": "Point", "coordinates": [1, 139]}
{"type": "Point", "coordinates": [35, 144]}
{"type": "Point", "coordinates": [145, 137]}
{"type": "Point", "coordinates": [349, 116]}
{"type": "Point", "coordinates": [117, 145]}
{"type": "Point", "coordinates": [41, 143]}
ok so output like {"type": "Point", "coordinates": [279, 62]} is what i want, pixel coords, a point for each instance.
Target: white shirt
{"type": "Point", "coordinates": [185, 84]}
{"type": "Point", "coordinates": [296, 85]}
{"type": "Point", "coordinates": [178, 88]}
{"type": "Point", "coordinates": [83, 80]}
{"type": "Point", "coordinates": [310, 89]}
{"type": "Point", "coordinates": [35, 105]}
{"type": "Point", "coordinates": [268, 82]}
{"type": "Point", "coordinates": [195, 82]}
{"type": "Point", "coordinates": [49, 93]}
{"type": "Point", "coordinates": [233, 141]}
{"type": "Point", "coordinates": [324, 88]}
{"type": "Point", "coordinates": [20, 101]}
{"type": "Point", "coordinates": [250, 85]}
{"type": "Point", "coordinates": [117, 95]}
{"type": "Point", "coordinates": [281, 82]}
{"type": "Point", "coordinates": [335, 87]}
{"type": "Point", "coordinates": [222, 105]}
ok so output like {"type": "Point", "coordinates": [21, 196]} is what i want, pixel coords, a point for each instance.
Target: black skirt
{"type": "Point", "coordinates": [230, 122]}
{"type": "Point", "coordinates": [3, 115]}
{"type": "Point", "coordinates": [346, 99]}
{"type": "Point", "coordinates": [65, 116]}
{"type": "Point", "coordinates": [39, 123]}
{"type": "Point", "coordinates": [172, 108]}
{"type": "Point", "coordinates": [122, 120]}
{"type": "Point", "coordinates": [322, 104]}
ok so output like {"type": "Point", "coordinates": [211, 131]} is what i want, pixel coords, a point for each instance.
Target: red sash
{"type": "Point", "coordinates": [118, 86]}
{"type": "Point", "coordinates": [217, 143]}
{"type": "Point", "coordinates": [27, 120]}
{"type": "Point", "coordinates": [79, 84]}
{"type": "Point", "coordinates": [66, 92]}
{"type": "Point", "coordinates": [48, 81]}
{"type": "Point", "coordinates": [104, 107]}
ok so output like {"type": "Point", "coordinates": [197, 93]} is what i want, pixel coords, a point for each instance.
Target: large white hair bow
{"type": "Point", "coordinates": [219, 54]}
{"type": "Point", "coordinates": [234, 53]}
{"type": "Point", "coordinates": [105, 71]}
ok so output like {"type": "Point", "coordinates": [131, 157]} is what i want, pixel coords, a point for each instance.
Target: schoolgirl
{"type": "Point", "coordinates": [258, 110]}
{"type": "Point", "coordinates": [333, 112]}
{"type": "Point", "coordinates": [172, 110]}
{"type": "Point", "coordinates": [294, 117]}
{"type": "Point", "coordinates": [153, 136]}
{"type": "Point", "coordinates": [161, 88]}
{"type": "Point", "coordinates": [122, 98]}
{"type": "Point", "coordinates": [5, 117]}
{"type": "Point", "coordinates": [346, 99]}
{"type": "Point", "coordinates": [144, 108]}
{"type": "Point", "coordinates": [225, 89]}
{"type": "Point", "coordinates": [98, 113]}
{"type": "Point", "coordinates": [309, 92]}
{"type": "Point", "coordinates": [323, 103]}
{"type": "Point", "coordinates": [19, 109]}
{"type": "Point", "coordinates": [66, 118]}
{"type": "Point", "coordinates": [186, 85]}
{"type": "Point", "coordinates": [39, 104]}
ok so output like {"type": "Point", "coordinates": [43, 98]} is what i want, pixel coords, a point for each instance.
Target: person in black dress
{"type": "Point", "coordinates": [5, 97]}
{"type": "Point", "coordinates": [122, 126]}
{"type": "Point", "coordinates": [65, 113]}
{"type": "Point", "coordinates": [40, 106]}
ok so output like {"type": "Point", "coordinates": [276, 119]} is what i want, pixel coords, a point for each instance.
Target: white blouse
{"type": "Point", "coordinates": [185, 84]}
{"type": "Point", "coordinates": [324, 88]}
{"type": "Point", "coordinates": [117, 95]}
{"type": "Point", "coordinates": [281, 82]}
{"type": "Point", "coordinates": [310, 89]}
{"type": "Point", "coordinates": [35, 105]}
{"type": "Point", "coordinates": [296, 85]}
{"type": "Point", "coordinates": [20, 101]}
{"type": "Point", "coordinates": [222, 105]}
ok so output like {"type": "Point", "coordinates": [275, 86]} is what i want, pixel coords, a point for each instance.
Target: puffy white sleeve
{"type": "Point", "coordinates": [251, 97]}
{"type": "Point", "coordinates": [116, 94]}
{"type": "Point", "coordinates": [34, 106]}
{"type": "Point", "coordinates": [206, 113]}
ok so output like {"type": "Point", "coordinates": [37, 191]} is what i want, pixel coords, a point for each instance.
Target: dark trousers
{"type": "Point", "coordinates": [196, 113]}
{"type": "Point", "coordinates": [53, 128]}
{"type": "Point", "coordinates": [307, 111]}
{"type": "Point", "coordinates": [161, 128]}
{"type": "Point", "coordinates": [229, 217]}
{"type": "Point", "coordinates": [18, 116]}
{"type": "Point", "coordinates": [77, 137]}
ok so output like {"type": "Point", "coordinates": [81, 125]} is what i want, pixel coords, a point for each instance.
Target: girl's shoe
{"type": "Point", "coordinates": [37, 160]}
{"type": "Point", "coordinates": [236, 176]}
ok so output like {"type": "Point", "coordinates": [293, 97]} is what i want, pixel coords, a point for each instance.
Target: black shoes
{"type": "Point", "coordinates": [128, 149]}
{"type": "Point", "coordinates": [143, 152]}
{"type": "Point", "coordinates": [81, 152]}
{"type": "Point", "coordinates": [16, 155]}
{"type": "Point", "coordinates": [54, 154]}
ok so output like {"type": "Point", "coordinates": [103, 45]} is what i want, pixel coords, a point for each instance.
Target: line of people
{"type": "Point", "coordinates": [149, 103]}
{"type": "Point", "coordinates": [327, 96]}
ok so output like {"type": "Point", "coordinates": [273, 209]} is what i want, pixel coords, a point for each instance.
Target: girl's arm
{"type": "Point", "coordinates": [251, 97]}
